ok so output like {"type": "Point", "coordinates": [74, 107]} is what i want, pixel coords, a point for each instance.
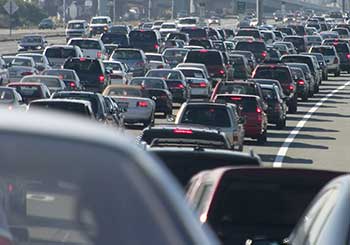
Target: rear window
{"type": "Point", "coordinates": [148, 83]}
{"type": "Point", "coordinates": [112, 66]}
{"type": "Point", "coordinates": [254, 47]}
{"type": "Point", "coordinates": [297, 41]}
{"type": "Point", "coordinates": [322, 50]}
{"type": "Point", "coordinates": [32, 39]}
{"type": "Point", "coordinates": [120, 29]}
{"type": "Point", "coordinates": [99, 21]}
{"type": "Point", "coordinates": [195, 32]}
{"type": "Point", "coordinates": [299, 59]}
{"type": "Point", "coordinates": [269, 93]}
{"type": "Point", "coordinates": [21, 62]}
{"type": "Point", "coordinates": [143, 36]}
{"type": "Point", "coordinates": [212, 116]}
{"type": "Point", "coordinates": [61, 73]}
{"type": "Point", "coordinates": [188, 21]}
{"type": "Point", "coordinates": [154, 57]}
{"type": "Point", "coordinates": [84, 66]}
{"type": "Point", "coordinates": [193, 73]}
{"type": "Point", "coordinates": [28, 91]}
{"type": "Point", "coordinates": [126, 55]}
{"type": "Point", "coordinates": [247, 33]}
{"type": "Point", "coordinates": [207, 58]}
{"type": "Point", "coordinates": [204, 43]}
{"type": "Point", "coordinates": [166, 74]}
{"type": "Point", "coordinates": [280, 74]}
{"type": "Point", "coordinates": [124, 91]}
{"type": "Point", "coordinates": [75, 26]}
{"type": "Point", "coordinates": [92, 99]}
{"type": "Point", "coordinates": [232, 88]}
{"type": "Point", "coordinates": [177, 36]}
{"type": "Point", "coordinates": [114, 38]}
{"type": "Point", "coordinates": [245, 104]}
{"type": "Point", "coordinates": [75, 108]}
{"type": "Point", "coordinates": [86, 44]}
{"type": "Point", "coordinates": [342, 48]}
{"type": "Point", "coordinates": [62, 53]}
{"type": "Point", "coordinates": [48, 81]}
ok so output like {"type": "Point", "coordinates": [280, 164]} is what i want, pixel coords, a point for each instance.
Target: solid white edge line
{"type": "Point", "coordinates": [278, 162]}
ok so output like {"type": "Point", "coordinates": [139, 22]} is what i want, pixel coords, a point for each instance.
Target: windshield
{"type": "Point", "coordinates": [30, 39]}
{"type": "Point", "coordinates": [60, 53]}
{"type": "Point", "coordinates": [48, 81]}
{"type": "Point", "coordinates": [75, 26]}
{"type": "Point", "coordinates": [323, 50]}
{"type": "Point", "coordinates": [232, 88]}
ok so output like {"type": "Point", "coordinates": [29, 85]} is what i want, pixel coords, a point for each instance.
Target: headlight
{"type": "Point", "coordinates": [38, 47]}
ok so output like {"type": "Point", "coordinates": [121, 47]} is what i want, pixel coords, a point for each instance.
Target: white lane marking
{"type": "Point", "coordinates": [289, 140]}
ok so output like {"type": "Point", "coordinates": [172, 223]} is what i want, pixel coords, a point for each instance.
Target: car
{"type": "Point", "coordinates": [91, 48]}
{"type": "Point", "coordinates": [31, 91]}
{"type": "Point", "coordinates": [343, 32]}
{"type": "Point", "coordinates": [327, 212]}
{"type": "Point", "coordinates": [20, 67]}
{"type": "Point", "coordinates": [343, 51]}
{"type": "Point", "coordinates": [323, 64]}
{"type": "Point", "coordinates": [157, 24]}
{"type": "Point", "coordinates": [98, 105]}
{"type": "Point", "coordinates": [117, 72]}
{"type": "Point", "coordinates": [8, 59]}
{"type": "Point", "coordinates": [311, 61]}
{"type": "Point", "coordinates": [57, 54]}
{"type": "Point", "coordinates": [286, 30]}
{"type": "Point", "coordinates": [157, 61]}
{"type": "Point", "coordinates": [241, 68]}
{"type": "Point", "coordinates": [196, 65]}
{"type": "Point", "coordinates": [303, 87]}
{"type": "Point", "coordinates": [330, 55]}
{"type": "Point", "coordinates": [309, 79]}
{"type": "Point", "coordinates": [258, 48]}
{"type": "Point", "coordinates": [166, 28]}
{"type": "Point", "coordinates": [176, 82]}
{"type": "Point", "coordinates": [299, 29]}
{"type": "Point", "coordinates": [258, 36]}
{"type": "Point", "coordinates": [279, 35]}
{"type": "Point", "coordinates": [195, 32]}
{"type": "Point", "coordinates": [277, 107]}
{"type": "Point", "coordinates": [76, 107]}
{"type": "Point", "coordinates": [178, 35]}
{"type": "Point", "coordinates": [115, 115]}
{"type": "Point", "coordinates": [223, 117]}
{"type": "Point", "coordinates": [252, 110]}
{"type": "Point", "coordinates": [156, 89]}
{"type": "Point", "coordinates": [11, 99]}
{"type": "Point", "coordinates": [134, 58]}
{"type": "Point", "coordinates": [41, 62]}
{"type": "Point", "coordinates": [213, 60]}
{"type": "Point", "coordinates": [146, 40]}
{"type": "Point", "coordinates": [188, 22]}
{"type": "Point", "coordinates": [197, 80]}
{"type": "Point", "coordinates": [91, 73]}
{"type": "Point", "coordinates": [229, 46]}
{"type": "Point", "coordinates": [77, 28]}
{"type": "Point", "coordinates": [290, 45]}
{"type": "Point", "coordinates": [313, 40]}
{"type": "Point", "coordinates": [87, 180]}
{"type": "Point", "coordinates": [68, 76]}
{"type": "Point", "coordinates": [121, 29]}
{"type": "Point", "coordinates": [299, 42]}
{"type": "Point", "coordinates": [271, 82]}
{"type": "Point", "coordinates": [247, 203]}
{"type": "Point", "coordinates": [139, 109]}
{"type": "Point", "coordinates": [4, 73]}
{"type": "Point", "coordinates": [110, 49]}
{"type": "Point", "coordinates": [32, 42]}
{"type": "Point", "coordinates": [274, 55]}
{"type": "Point", "coordinates": [146, 26]}
{"type": "Point", "coordinates": [184, 136]}
{"type": "Point", "coordinates": [122, 40]}
{"type": "Point", "coordinates": [283, 74]}
{"type": "Point", "coordinates": [248, 54]}
{"type": "Point", "coordinates": [47, 24]}
{"type": "Point", "coordinates": [100, 24]}
{"type": "Point", "coordinates": [174, 56]}
{"type": "Point", "coordinates": [53, 83]}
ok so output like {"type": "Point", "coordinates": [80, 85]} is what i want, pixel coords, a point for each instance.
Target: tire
{"type": "Point", "coordinates": [337, 74]}
{"type": "Point", "coordinates": [262, 139]}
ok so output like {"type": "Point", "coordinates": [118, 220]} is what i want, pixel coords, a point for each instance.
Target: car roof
{"type": "Point", "coordinates": [17, 84]}
{"type": "Point", "coordinates": [29, 54]}
{"type": "Point", "coordinates": [238, 95]}
{"type": "Point", "coordinates": [85, 102]}
{"type": "Point", "coordinates": [42, 76]}
{"type": "Point", "coordinates": [77, 21]}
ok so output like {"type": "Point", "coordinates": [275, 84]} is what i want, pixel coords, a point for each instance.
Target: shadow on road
{"type": "Point", "coordinates": [269, 158]}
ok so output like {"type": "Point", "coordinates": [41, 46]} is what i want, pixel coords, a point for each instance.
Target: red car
{"type": "Point", "coordinates": [251, 109]}
{"type": "Point", "coordinates": [31, 91]}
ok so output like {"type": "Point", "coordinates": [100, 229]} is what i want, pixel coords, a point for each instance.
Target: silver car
{"type": "Point", "coordinates": [138, 109]}
{"type": "Point", "coordinates": [20, 67]}
{"type": "Point", "coordinates": [41, 62]}
{"type": "Point", "coordinates": [331, 57]}
{"type": "Point", "coordinates": [117, 72]}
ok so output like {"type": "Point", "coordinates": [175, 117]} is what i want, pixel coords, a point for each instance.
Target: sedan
{"type": "Point", "coordinates": [11, 99]}
{"type": "Point", "coordinates": [41, 61]}
{"type": "Point", "coordinates": [69, 77]}
{"type": "Point", "coordinates": [53, 83]}
{"type": "Point", "coordinates": [31, 91]}
{"type": "Point", "coordinates": [130, 98]}
{"type": "Point", "coordinates": [20, 67]}
{"type": "Point", "coordinates": [32, 42]}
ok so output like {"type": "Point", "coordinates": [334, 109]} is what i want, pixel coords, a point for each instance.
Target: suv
{"type": "Point", "coordinates": [91, 48]}
{"type": "Point", "coordinates": [299, 42]}
{"type": "Point", "coordinates": [147, 40]}
{"type": "Point", "coordinates": [57, 54]}
{"type": "Point", "coordinates": [100, 24]}
{"type": "Point", "coordinates": [134, 58]}
{"type": "Point", "coordinates": [250, 108]}
{"type": "Point", "coordinates": [250, 33]}
{"type": "Point", "coordinates": [195, 32]}
{"type": "Point", "coordinates": [213, 60]}
{"type": "Point", "coordinates": [222, 117]}
{"type": "Point", "coordinates": [258, 48]}
{"type": "Point", "coordinates": [77, 28]}
{"type": "Point", "coordinates": [331, 57]}
{"type": "Point", "coordinates": [91, 73]}
{"type": "Point", "coordinates": [282, 74]}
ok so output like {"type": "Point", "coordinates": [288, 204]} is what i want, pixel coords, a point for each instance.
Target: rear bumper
{"type": "Point", "coordinates": [252, 131]}
{"type": "Point", "coordinates": [345, 66]}
{"type": "Point", "coordinates": [136, 115]}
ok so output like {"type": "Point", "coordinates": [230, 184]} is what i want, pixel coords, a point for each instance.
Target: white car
{"type": "Point", "coordinates": [100, 24]}
{"type": "Point", "coordinates": [117, 72]}
{"type": "Point", "coordinates": [156, 61]}
{"type": "Point", "coordinates": [188, 22]}
{"type": "Point", "coordinates": [91, 48]}
{"type": "Point", "coordinates": [77, 28]}
{"type": "Point", "coordinates": [167, 27]}
{"type": "Point", "coordinates": [20, 67]}
{"type": "Point", "coordinates": [157, 24]}
{"type": "Point", "coordinates": [57, 54]}
{"type": "Point", "coordinates": [197, 80]}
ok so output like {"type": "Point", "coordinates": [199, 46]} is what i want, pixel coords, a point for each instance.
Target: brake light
{"type": "Point", "coordinates": [203, 51]}
{"type": "Point", "coordinates": [82, 59]}
{"type": "Point", "coordinates": [156, 46]}
{"type": "Point", "coordinates": [182, 131]}
{"type": "Point", "coordinates": [348, 56]}
{"type": "Point", "coordinates": [202, 85]}
{"type": "Point", "coordinates": [236, 98]}
{"type": "Point", "coordinates": [72, 84]}
{"type": "Point", "coordinates": [26, 73]}
{"type": "Point", "coordinates": [291, 87]}
{"type": "Point", "coordinates": [10, 188]}
{"type": "Point", "coordinates": [258, 110]}
{"type": "Point", "coordinates": [160, 67]}
{"type": "Point", "coordinates": [222, 72]}
{"type": "Point", "coordinates": [264, 54]}
{"type": "Point", "coordinates": [301, 82]}
{"type": "Point", "coordinates": [101, 78]}
{"type": "Point", "coordinates": [142, 104]}
{"type": "Point", "coordinates": [180, 86]}
{"type": "Point", "coordinates": [99, 54]}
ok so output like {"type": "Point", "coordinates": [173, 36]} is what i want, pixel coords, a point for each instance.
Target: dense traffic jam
{"type": "Point", "coordinates": [214, 87]}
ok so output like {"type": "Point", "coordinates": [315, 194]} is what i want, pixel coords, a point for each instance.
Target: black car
{"type": "Point", "coordinates": [147, 40]}
{"type": "Point", "coordinates": [258, 48]}
{"type": "Point", "coordinates": [98, 105]}
{"type": "Point", "coordinates": [299, 42]}
{"type": "Point", "coordinates": [122, 40]}
{"type": "Point", "coordinates": [303, 87]}
{"type": "Point", "coordinates": [91, 72]}
{"type": "Point", "coordinates": [32, 42]}
{"type": "Point", "coordinates": [277, 108]}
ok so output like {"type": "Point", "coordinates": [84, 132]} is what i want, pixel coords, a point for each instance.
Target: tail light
{"type": "Point", "coordinates": [259, 112]}
{"type": "Point", "coordinates": [142, 104]}
{"type": "Point", "coordinates": [236, 98]}
{"type": "Point", "coordinates": [180, 86]}
{"type": "Point", "coordinates": [335, 60]}
{"type": "Point", "coordinates": [156, 46]}
{"type": "Point", "coordinates": [291, 87]}
{"type": "Point", "coordinates": [101, 78]}
{"type": "Point", "coordinates": [10, 188]}
{"type": "Point", "coordinates": [72, 84]}
{"type": "Point", "coordinates": [99, 54]}
{"type": "Point", "coordinates": [163, 97]}
{"type": "Point", "coordinates": [26, 73]}
{"type": "Point", "coordinates": [348, 56]}
{"type": "Point", "coordinates": [301, 82]}
{"type": "Point", "coordinates": [264, 54]}
{"type": "Point", "coordinates": [202, 85]}
{"type": "Point", "coordinates": [182, 131]}
{"type": "Point", "coordinates": [222, 72]}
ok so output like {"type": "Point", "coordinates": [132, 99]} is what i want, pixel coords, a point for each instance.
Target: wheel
{"type": "Point", "coordinates": [337, 73]}
{"type": "Point", "coordinates": [317, 89]}
{"type": "Point", "coordinates": [262, 138]}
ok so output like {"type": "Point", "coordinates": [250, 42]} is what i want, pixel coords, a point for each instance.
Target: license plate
{"type": "Point", "coordinates": [123, 105]}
